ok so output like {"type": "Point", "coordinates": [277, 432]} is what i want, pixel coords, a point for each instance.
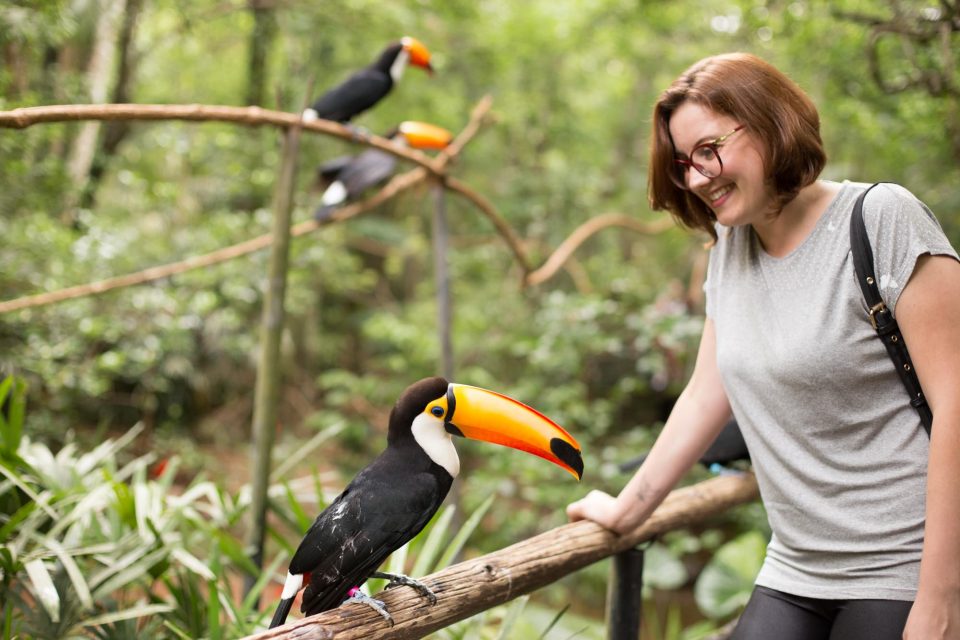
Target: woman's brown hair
{"type": "Point", "coordinates": [776, 112]}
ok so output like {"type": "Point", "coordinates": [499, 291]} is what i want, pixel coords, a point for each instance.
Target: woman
{"type": "Point", "coordinates": [864, 508]}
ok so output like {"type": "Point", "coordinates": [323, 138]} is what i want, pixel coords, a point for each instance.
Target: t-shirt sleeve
{"type": "Point", "coordinates": [712, 280]}
{"type": "Point", "coordinates": [901, 229]}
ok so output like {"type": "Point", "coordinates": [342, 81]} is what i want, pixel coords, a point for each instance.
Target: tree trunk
{"type": "Point", "coordinates": [115, 131]}
{"type": "Point", "coordinates": [261, 42]}
{"type": "Point", "coordinates": [99, 73]}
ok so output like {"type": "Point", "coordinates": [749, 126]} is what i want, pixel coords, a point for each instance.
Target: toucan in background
{"type": "Point", "coordinates": [371, 84]}
{"type": "Point", "coordinates": [727, 449]}
{"type": "Point", "coordinates": [349, 176]}
{"type": "Point", "coordinates": [393, 498]}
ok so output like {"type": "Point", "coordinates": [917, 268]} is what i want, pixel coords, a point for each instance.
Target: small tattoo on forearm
{"type": "Point", "coordinates": [643, 491]}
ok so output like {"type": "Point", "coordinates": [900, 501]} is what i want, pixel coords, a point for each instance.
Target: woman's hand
{"type": "Point", "coordinates": [934, 617]}
{"type": "Point", "coordinates": [597, 506]}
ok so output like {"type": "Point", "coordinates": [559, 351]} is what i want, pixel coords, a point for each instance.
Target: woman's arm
{"type": "Point", "coordinates": [699, 414]}
{"type": "Point", "coordinates": [928, 313]}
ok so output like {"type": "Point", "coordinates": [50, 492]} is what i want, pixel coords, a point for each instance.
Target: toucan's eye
{"type": "Point", "coordinates": [437, 411]}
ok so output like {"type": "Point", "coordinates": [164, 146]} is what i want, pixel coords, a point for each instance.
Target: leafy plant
{"type": "Point", "coordinates": [87, 539]}
{"type": "Point", "coordinates": [727, 580]}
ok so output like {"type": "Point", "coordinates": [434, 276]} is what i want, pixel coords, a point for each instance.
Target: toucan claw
{"type": "Point", "coordinates": [358, 133]}
{"type": "Point", "coordinates": [373, 603]}
{"type": "Point", "coordinates": [400, 580]}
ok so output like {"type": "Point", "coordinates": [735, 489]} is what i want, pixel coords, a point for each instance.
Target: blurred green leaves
{"type": "Point", "coordinates": [727, 581]}
{"type": "Point", "coordinates": [603, 348]}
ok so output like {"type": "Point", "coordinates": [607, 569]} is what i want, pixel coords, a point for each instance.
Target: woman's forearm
{"type": "Point", "coordinates": [693, 424]}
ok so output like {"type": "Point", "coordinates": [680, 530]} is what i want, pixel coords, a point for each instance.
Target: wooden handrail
{"type": "Point", "coordinates": [470, 587]}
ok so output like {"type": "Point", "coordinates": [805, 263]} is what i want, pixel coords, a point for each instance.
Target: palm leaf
{"type": "Point", "coordinates": [73, 571]}
{"type": "Point", "coordinates": [43, 588]}
{"type": "Point", "coordinates": [455, 546]}
{"type": "Point", "coordinates": [433, 545]}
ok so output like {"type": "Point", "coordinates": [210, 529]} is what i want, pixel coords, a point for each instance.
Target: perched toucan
{"type": "Point", "coordinates": [371, 84]}
{"type": "Point", "coordinates": [349, 176]}
{"type": "Point", "coordinates": [393, 498]}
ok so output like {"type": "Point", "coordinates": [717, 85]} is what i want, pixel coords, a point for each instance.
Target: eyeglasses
{"type": "Point", "coordinates": [705, 158]}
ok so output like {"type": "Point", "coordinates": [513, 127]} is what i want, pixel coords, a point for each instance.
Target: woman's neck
{"type": "Point", "coordinates": [783, 233]}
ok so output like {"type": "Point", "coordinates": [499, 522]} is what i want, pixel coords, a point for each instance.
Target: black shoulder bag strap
{"type": "Point", "coordinates": [880, 316]}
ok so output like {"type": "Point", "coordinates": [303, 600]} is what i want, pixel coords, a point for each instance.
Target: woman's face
{"type": "Point", "coordinates": [739, 195]}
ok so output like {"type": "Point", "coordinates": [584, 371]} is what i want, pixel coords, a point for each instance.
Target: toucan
{"type": "Point", "coordinates": [352, 175]}
{"type": "Point", "coordinates": [371, 84]}
{"type": "Point", "coordinates": [394, 497]}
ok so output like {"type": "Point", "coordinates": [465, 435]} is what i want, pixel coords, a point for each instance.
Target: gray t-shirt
{"type": "Point", "coordinates": [839, 453]}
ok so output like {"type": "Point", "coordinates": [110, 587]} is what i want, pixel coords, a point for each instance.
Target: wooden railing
{"type": "Point", "coordinates": [476, 585]}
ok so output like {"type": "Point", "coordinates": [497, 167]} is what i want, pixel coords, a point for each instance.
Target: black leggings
{"type": "Point", "coordinates": [773, 614]}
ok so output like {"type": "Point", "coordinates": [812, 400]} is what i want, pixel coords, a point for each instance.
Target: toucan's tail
{"type": "Point", "coordinates": [280, 616]}
{"type": "Point", "coordinates": [290, 588]}
{"type": "Point", "coordinates": [324, 212]}
{"type": "Point", "coordinates": [335, 195]}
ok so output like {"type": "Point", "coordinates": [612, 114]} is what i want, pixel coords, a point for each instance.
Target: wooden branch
{"type": "Point", "coordinates": [473, 586]}
{"type": "Point", "coordinates": [253, 116]}
{"type": "Point", "coordinates": [397, 185]}
{"type": "Point", "coordinates": [477, 117]}
{"type": "Point", "coordinates": [912, 28]}
{"type": "Point", "coordinates": [499, 223]}
{"type": "Point", "coordinates": [25, 117]}
{"type": "Point", "coordinates": [584, 231]}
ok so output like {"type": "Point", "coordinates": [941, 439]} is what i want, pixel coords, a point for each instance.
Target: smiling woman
{"type": "Point", "coordinates": [742, 90]}
{"type": "Point", "coordinates": [788, 350]}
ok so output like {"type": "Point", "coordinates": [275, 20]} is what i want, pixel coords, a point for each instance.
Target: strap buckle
{"type": "Point", "coordinates": [880, 307]}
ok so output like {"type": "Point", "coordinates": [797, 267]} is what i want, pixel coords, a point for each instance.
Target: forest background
{"type": "Point", "coordinates": [603, 347]}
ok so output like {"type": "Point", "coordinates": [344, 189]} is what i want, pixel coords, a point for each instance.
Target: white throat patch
{"type": "Point", "coordinates": [399, 64]}
{"type": "Point", "coordinates": [436, 442]}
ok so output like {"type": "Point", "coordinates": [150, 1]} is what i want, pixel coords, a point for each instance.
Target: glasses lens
{"type": "Point", "coordinates": [707, 161]}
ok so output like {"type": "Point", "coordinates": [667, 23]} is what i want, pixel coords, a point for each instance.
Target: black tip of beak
{"type": "Point", "coordinates": [568, 454]}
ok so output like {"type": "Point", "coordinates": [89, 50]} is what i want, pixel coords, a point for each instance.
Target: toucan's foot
{"type": "Point", "coordinates": [359, 596]}
{"type": "Point", "coordinates": [397, 580]}
{"type": "Point", "coordinates": [360, 134]}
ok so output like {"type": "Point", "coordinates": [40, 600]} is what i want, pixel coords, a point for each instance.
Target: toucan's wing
{"type": "Point", "coordinates": [357, 93]}
{"type": "Point", "coordinates": [373, 517]}
{"type": "Point", "coordinates": [368, 169]}
{"type": "Point", "coordinates": [329, 170]}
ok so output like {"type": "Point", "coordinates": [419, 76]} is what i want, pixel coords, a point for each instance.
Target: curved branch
{"type": "Point", "coordinates": [394, 187]}
{"type": "Point", "coordinates": [21, 118]}
{"type": "Point", "coordinates": [501, 225]}
{"type": "Point", "coordinates": [252, 116]}
{"type": "Point", "coordinates": [397, 185]}
{"type": "Point", "coordinates": [452, 150]}
{"type": "Point", "coordinates": [583, 232]}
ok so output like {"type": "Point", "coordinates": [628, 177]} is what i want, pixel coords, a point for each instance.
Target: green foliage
{"type": "Point", "coordinates": [727, 581]}
{"type": "Point", "coordinates": [604, 347]}
{"type": "Point", "coordinates": [88, 538]}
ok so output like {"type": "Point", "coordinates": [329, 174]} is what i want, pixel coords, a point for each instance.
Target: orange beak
{"type": "Point", "coordinates": [472, 412]}
{"type": "Point", "coordinates": [419, 54]}
{"type": "Point", "coordinates": [423, 135]}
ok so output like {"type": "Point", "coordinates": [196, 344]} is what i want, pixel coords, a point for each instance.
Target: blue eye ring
{"type": "Point", "coordinates": [437, 411]}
